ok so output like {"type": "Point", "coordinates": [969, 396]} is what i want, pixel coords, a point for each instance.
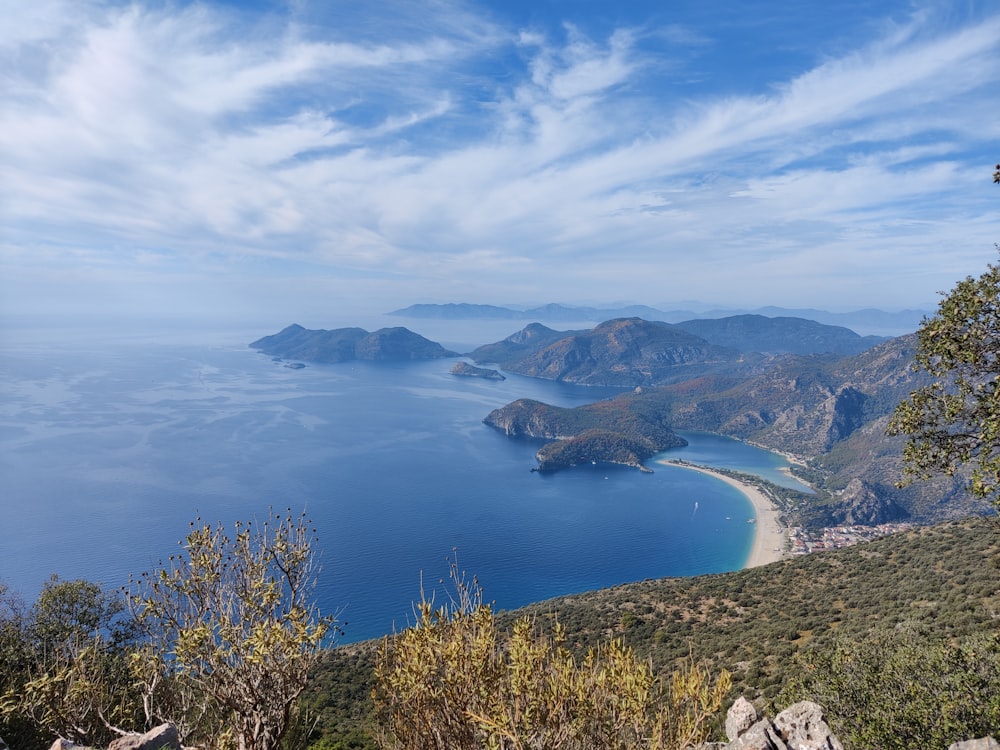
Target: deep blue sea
{"type": "Point", "coordinates": [109, 446]}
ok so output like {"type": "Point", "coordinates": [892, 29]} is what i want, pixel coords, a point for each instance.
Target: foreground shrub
{"type": "Point", "coordinates": [231, 631]}
{"type": "Point", "coordinates": [456, 681]}
{"type": "Point", "coordinates": [64, 667]}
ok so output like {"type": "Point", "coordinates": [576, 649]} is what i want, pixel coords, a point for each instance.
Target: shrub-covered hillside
{"type": "Point", "coordinates": [927, 586]}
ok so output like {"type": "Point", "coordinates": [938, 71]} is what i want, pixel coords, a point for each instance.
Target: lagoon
{"type": "Point", "coordinates": [110, 446]}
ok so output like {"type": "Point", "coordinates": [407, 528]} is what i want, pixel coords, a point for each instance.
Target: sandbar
{"type": "Point", "coordinates": [769, 536]}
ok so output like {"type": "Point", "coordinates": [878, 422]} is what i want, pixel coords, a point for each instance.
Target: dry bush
{"type": "Point", "coordinates": [456, 681]}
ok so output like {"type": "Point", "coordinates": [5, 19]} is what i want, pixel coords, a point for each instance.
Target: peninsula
{"type": "Point", "coordinates": [591, 433]}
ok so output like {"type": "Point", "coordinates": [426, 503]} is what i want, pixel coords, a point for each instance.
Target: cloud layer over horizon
{"type": "Point", "coordinates": [216, 157]}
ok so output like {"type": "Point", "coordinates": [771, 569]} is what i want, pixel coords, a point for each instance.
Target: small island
{"type": "Point", "coordinates": [348, 344]}
{"type": "Point", "coordinates": [471, 371]}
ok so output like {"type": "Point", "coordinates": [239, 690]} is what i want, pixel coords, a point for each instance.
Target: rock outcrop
{"type": "Point", "coordinates": [798, 727]}
{"type": "Point", "coordinates": [986, 743]}
{"type": "Point", "coordinates": [741, 716]}
{"type": "Point", "coordinates": [163, 737]}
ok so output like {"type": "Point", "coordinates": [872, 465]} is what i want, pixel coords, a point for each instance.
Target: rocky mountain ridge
{"type": "Point", "coordinates": [632, 351]}
{"type": "Point", "coordinates": [802, 404]}
{"type": "Point", "coordinates": [830, 411]}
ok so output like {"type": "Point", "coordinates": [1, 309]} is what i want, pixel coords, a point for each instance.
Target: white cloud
{"type": "Point", "coordinates": [460, 149]}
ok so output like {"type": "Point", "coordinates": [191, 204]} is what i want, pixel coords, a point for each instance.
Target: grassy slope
{"type": "Point", "coordinates": [943, 580]}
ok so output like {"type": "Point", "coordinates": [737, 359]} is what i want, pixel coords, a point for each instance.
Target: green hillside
{"type": "Point", "coordinates": [831, 411]}
{"type": "Point", "coordinates": [938, 584]}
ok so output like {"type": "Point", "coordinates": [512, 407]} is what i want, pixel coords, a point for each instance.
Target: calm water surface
{"type": "Point", "coordinates": [108, 448]}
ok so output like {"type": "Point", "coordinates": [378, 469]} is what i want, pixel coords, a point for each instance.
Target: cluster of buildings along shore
{"type": "Point", "coordinates": [803, 541]}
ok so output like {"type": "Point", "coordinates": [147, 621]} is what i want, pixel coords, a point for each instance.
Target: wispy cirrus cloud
{"type": "Point", "coordinates": [457, 149]}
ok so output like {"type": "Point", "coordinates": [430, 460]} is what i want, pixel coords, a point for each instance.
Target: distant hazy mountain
{"type": "Point", "coordinates": [551, 313]}
{"type": "Point", "coordinates": [867, 321]}
{"type": "Point", "coordinates": [345, 344]}
{"type": "Point", "coordinates": [633, 351]}
{"type": "Point", "coordinates": [757, 333]}
{"type": "Point", "coordinates": [459, 311]}
{"type": "Point", "coordinates": [554, 312]}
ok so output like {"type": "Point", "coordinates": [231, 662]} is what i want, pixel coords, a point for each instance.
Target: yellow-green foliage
{"type": "Point", "coordinates": [456, 681]}
{"type": "Point", "coordinates": [231, 631]}
{"type": "Point", "coordinates": [64, 667]}
{"type": "Point", "coordinates": [80, 695]}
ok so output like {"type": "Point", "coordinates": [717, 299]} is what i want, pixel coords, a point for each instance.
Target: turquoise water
{"type": "Point", "coordinates": [721, 452]}
{"type": "Point", "coordinates": [108, 448]}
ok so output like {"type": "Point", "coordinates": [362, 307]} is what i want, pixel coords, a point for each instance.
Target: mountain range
{"type": "Point", "coordinates": [869, 320]}
{"type": "Point", "coordinates": [622, 352]}
{"type": "Point", "coordinates": [634, 351]}
{"type": "Point", "coordinates": [830, 410]}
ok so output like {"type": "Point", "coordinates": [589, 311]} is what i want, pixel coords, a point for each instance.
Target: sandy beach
{"type": "Point", "coordinates": [769, 537]}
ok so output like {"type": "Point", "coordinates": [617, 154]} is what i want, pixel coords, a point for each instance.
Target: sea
{"type": "Point", "coordinates": [112, 442]}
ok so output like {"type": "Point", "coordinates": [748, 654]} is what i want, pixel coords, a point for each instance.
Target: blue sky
{"type": "Point", "coordinates": [223, 158]}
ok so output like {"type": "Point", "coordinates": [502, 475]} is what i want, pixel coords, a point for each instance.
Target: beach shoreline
{"type": "Point", "coordinates": [770, 536]}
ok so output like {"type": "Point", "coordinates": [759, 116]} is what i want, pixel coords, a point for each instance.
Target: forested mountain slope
{"type": "Point", "coordinates": [758, 333]}
{"type": "Point", "coordinates": [622, 352]}
{"type": "Point", "coordinates": [830, 411]}
{"type": "Point", "coordinates": [633, 351]}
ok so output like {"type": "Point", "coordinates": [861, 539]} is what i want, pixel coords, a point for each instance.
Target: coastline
{"type": "Point", "coordinates": [769, 535]}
